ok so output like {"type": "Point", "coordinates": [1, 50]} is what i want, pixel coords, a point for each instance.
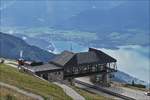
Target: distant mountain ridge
{"type": "Point", "coordinates": [123, 77]}
{"type": "Point", "coordinates": [80, 15]}
{"type": "Point", "coordinates": [41, 43]}
{"type": "Point", "coordinates": [128, 15]}
{"type": "Point", "coordinates": [10, 47]}
{"type": "Point", "coordinates": [46, 12]}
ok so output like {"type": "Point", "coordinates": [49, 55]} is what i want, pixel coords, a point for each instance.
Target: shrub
{"type": "Point", "coordinates": [10, 97]}
{"type": "Point", "coordinates": [36, 63]}
{"type": "Point", "coordinates": [136, 85]}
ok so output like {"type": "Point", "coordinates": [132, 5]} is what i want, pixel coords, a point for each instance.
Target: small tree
{"type": "Point", "coordinates": [2, 61]}
{"type": "Point", "coordinates": [10, 97]}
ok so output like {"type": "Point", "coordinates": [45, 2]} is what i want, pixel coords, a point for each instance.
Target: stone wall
{"type": "Point", "coordinates": [55, 76]}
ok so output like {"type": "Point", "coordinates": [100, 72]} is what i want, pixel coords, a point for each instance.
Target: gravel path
{"type": "Point", "coordinates": [137, 94]}
{"type": "Point", "coordinates": [69, 91]}
{"type": "Point", "coordinates": [11, 63]}
{"type": "Point", "coordinates": [37, 97]}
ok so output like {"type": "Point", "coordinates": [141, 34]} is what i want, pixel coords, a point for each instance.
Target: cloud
{"type": "Point", "coordinates": [132, 61]}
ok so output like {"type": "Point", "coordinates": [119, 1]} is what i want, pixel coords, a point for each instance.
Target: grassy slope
{"type": "Point", "coordinates": [30, 83]}
{"type": "Point", "coordinates": [35, 85]}
{"type": "Point", "coordinates": [7, 93]}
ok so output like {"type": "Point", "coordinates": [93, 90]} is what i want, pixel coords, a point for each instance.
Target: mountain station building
{"type": "Point", "coordinates": [69, 65]}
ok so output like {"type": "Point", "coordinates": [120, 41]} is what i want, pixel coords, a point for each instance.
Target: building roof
{"type": "Point", "coordinates": [92, 56]}
{"type": "Point", "coordinates": [66, 58]}
{"type": "Point", "coordinates": [87, 57]}
{"type": "Point", "coordinates": [44, 67]}
{"type": "Point", "coordinates": [63, 58]}
{"type": "Point", "coordinates": [103, 57]}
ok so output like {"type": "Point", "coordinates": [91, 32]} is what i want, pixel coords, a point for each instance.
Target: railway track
{"type": "Point", "coordinates": [104, 90]}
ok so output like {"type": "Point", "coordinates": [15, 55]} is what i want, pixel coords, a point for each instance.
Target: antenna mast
{"type": "Point", "coordinates": [88, 43]}
{"type": "Point", "coordinates": [71, 48]}
{"type": "Point", "coordinates": [21, 54]}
